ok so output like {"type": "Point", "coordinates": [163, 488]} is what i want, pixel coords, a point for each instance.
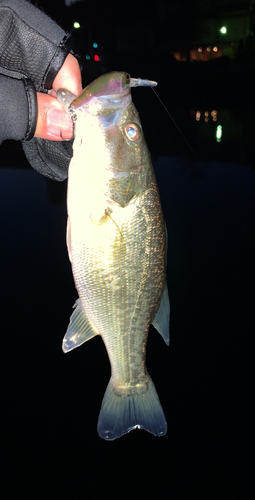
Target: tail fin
{"type": "Point", "coordinates": [122, 414]}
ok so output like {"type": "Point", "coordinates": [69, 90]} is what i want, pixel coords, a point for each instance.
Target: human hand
{"type": "Point", "coordinates": [53, 122]}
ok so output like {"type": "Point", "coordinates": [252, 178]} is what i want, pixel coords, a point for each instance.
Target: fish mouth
{"type": "Point", "coordinates": [106, 104]}
{"type": "Point", "coordinates": [86, 96]}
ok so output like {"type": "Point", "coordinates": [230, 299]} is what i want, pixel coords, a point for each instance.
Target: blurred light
{"type": "Point", "coordinates": [208, 49]}
{"type": "Point", "coordinates": [198, 115]}
{"type": "Point", "coordinates": [87, 57]}
{"type": "Point", "coordinates": [96, 57]}
{"type": "Point", "coordinates": [223, 30]}
{"type": "Point", "coordinates": [215, 49]}
{"type": "Point", "coordinates": [76, 25]}
{"type": "Point", "coordinates": [199, 49]}
{"type": "Point", "coordinates": [95, 45]}
{"type": "Point", "coordinates": [219, 133]}
{"type": "Point", "coordinates": [206, 116]}
{"type": "Point", "coordinates": [214, 115]}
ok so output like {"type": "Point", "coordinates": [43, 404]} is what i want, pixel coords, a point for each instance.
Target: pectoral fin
{"type": "Point", "coordinates": [79, 329]}
{"type": "Point", "coordinates": [162, 318]}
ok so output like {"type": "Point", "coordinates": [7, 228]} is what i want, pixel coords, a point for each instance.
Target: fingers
{"type": "Point", "coordinates": [53, 122]}
{"type": "Point", "coordinates": [69, 76]}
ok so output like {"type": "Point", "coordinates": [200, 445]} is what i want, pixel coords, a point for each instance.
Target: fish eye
{"type": "Point", "coordinates": [127, 76]}
{"type": "Point", "coordinates": [132, 131]}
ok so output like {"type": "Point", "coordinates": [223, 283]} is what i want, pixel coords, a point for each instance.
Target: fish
{"type": "Point", "coordinates": [117, 245]}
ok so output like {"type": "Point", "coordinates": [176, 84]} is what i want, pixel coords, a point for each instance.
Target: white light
{"type": "Point", "coordinates": [215, 49]}
{"type": "Point", "coordinates": [219, 133]}
{"type": "Point", "coordinates": [198, 116]}
{"type": "Point", "coordinates": [223, 30]}
{"type": "Point", "coordinates": [76, 25]}
{"type": "Point", "coordinates": [199, 49]}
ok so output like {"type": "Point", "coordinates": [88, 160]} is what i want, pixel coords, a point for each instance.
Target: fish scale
{"type": "Point", "coordinates": [117, 245]}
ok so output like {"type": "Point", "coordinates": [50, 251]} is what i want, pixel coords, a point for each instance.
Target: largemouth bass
{"type": "Point", "coordinates": [116, 241]}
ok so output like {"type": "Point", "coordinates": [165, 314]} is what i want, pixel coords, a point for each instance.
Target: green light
{"type": "Point", "coordinates": [95, 45]}
{"type": "Point", "coordinates": [223, 30]}
{"type": "Point", "coordinates": [87, 57]}
{"type": "Point", "coordinates": [219, 133]}
{"type": "Point", "coordinates": [76, 25]}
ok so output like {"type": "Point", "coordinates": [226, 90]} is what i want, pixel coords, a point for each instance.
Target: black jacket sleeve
{"type": "Point", "coordinates": [33, 48]}
{"type": "Point", "coordinates": [16, 107]}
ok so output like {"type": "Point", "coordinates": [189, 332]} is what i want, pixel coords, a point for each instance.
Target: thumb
{"type": "Point", "coordinates": [53, 122]}
{"type": "Point", "coordinates": [69, 76]}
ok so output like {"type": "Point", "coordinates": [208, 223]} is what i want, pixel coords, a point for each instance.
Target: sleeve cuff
{"type": "Point", "coordinates": [57, 61]}
{"type": "Point", "coordinates": [32, 109]}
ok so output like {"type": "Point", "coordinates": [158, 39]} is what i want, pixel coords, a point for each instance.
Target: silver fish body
{"type": "Point", "coordinates": [117, 246]}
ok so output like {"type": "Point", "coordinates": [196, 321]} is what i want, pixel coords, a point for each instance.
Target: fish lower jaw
{"type": "Point", "coordinates": [128, 388]}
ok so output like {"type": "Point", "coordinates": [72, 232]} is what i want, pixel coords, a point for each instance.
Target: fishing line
{"type": "Point", "coordinates": [174, 122]}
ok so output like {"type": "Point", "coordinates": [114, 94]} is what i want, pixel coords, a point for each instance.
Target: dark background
{"type": "Point", "coordinates": [51, 401]}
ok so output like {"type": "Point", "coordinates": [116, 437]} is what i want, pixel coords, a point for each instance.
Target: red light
{"type": "Point", "coordinates": [96, 57]}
